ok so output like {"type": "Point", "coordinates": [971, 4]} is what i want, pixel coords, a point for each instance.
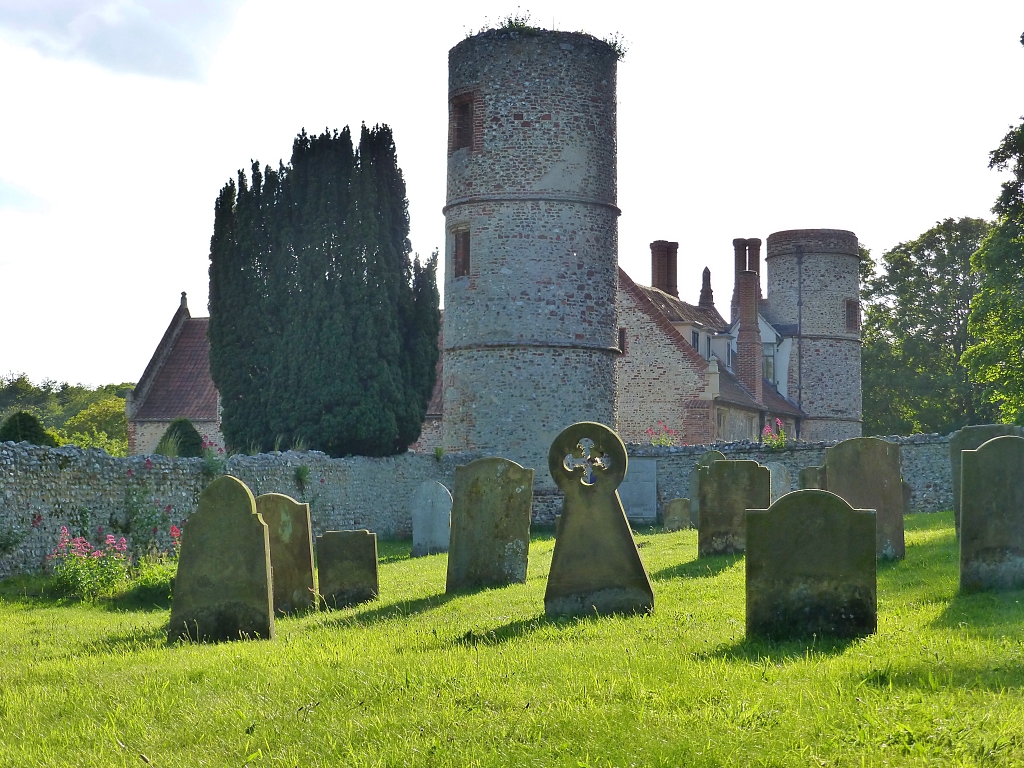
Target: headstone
{"type": "Point", "coordinates": [782, 480]}
{"type": "Point", "coordinates": [866, 472]}
{"type": "Point", "coordinates": [431, 519]}
{"type": "Point", "coordinates": [347, 565]}
{"type": "Point", "coordinates": [705, 459]}
{"type": "Point", "coordinates": [992, 516]}
{"type": "Point", "coordinates": [639, 491]}
{"type": "Point", "coordinates": [969, 439]}
{"type": "Point", "coordinates": [291, 551]}
{"type": "Point", "coordinates": [810, 568]}
{"type": "Point", "coordinates": [677, 515]}
{"type": "Point", "coordinates": [224, 588]}
{"type": "Point", "coordinates": [727, 490]}
{"type": "Point", "coordinates": [596, 567]}
{"type": "Point", "coordinates": [490, 542]}
{"type": "Point", "coordinates": [813, 478]}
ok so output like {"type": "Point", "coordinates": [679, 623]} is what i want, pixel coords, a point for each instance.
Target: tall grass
{"type": "Point", "coordinates": [479, 679]}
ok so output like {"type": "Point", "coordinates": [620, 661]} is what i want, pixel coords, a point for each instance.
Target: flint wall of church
{"type": "Point", "coordinates": [93, 494]}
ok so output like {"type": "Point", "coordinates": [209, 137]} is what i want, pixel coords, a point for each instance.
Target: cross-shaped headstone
{"type": "Point", "coordinates": [587, 462]}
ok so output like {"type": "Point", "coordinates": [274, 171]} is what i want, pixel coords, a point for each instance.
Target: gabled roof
{"type": "Point", "coordinates": [678, 311]}
{"type": "Point", "coordinates": [643, 300]}
{"type": "Point", "coordinates": [177, 382]}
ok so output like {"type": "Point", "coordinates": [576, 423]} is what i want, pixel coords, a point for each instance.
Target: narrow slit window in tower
{"type": "Point", "coordinates": [852, 315]}
{"type": "Point", "coordinates": [461, 260]}
{"type": "Point", "coordinates": [622, 340]}
{"type": "Point", "coordinates": [462, 123]}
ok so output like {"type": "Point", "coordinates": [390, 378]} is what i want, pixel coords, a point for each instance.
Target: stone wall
{"type": "Point", "coordinates": [93, 494]}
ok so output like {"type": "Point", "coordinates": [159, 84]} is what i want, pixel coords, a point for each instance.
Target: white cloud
{"type": "Point", "coordinates": [164, 38]}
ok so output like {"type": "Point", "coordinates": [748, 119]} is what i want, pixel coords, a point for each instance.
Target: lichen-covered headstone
{"type": "Point", "coordinates": [431, 511]}
{"type": "Point", "coordinates": [596, 567]}
{"type": "Point", "coordinates": [639, 491]}
{"type": "Point", "coordinates": [677, 515]}
{"type": "Point", "coordinates": [291, 551]}
{"type": "Point", "coordinates": [992, 516]}
{"type": "Point", "coordinates": [727, 490]}
{"type": "Point", "coordinates": [705, 459]}
{"type": "Point", "coordinates": [810, 568]}
{"type": "Point", "coordinates": [866, 472]}
{"type": "Point", "coordinates": [813, 478]}
{"type": "Point", "coordinates": [490, 540]}
{"type": "Point", "coordinates": [223, 589]}
{"type": "Point", "coordinates": [346, 563]}
{"type": "Point", "coordinates": [969, 439]}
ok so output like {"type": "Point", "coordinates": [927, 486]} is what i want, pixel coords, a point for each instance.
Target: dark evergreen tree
{"type": "Point", "coordinates": [24, 427]}
{"type": "Point", "coordinates": [322, 330]}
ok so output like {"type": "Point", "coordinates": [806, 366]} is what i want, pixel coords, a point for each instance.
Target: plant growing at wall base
{"type": "Point", "coordinates": [87, 572]}
{"type": "Point", "coordinates": [301, 476]}
{"type": "Point", "coordinates": [774, 439]}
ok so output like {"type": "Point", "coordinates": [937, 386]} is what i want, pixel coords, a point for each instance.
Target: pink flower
{"type": "Point", "coordinates": [130, 474]}
{"type": "Point", "coordinates": [156, 529]}
{"type": "Point", "coordinates": [220, 450]}
{"type": "Point", "coordinates": [99, 530]}
{"type": "Point", "coordinates": [97, 553]}
{"type": "Point", "coordinates": [167, 509]}
{"type": "Point", "coordinates": [122, 545]}
{"type": "Point", "coordinates": [149, 463]}
{"type": "Point", "coordinates": [323, 480]}
{"type": "Point", "coordinates": [110, 540]}
{"type": "Point", "coordinates": [175, 532]}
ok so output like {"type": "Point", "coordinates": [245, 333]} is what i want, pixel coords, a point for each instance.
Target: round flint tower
{"type": "Point", "coordinates": [814, 290]}
{"type": "Point", "coordinates": [531, 247]}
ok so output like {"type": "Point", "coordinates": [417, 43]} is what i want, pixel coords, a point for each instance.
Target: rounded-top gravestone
{"type": "Point", "coordinates": [431, 512]}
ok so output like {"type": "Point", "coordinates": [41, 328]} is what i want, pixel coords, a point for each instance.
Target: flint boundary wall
{"type": "Point", "coordinates": [93, 494]}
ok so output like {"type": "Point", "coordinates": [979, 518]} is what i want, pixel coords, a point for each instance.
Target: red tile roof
{"type": "Point", "coordinates": [181, 386]}
{"type": "Point", "coordinates": [678, 311]}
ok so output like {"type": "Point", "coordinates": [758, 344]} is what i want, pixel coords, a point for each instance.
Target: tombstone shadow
{"type": "Point", "coordinates": [701, 568]}
{"type": "Point", "coordinates": [940, 676]}
{"type": "Point", "coordinates": [127, 642]}
{"type": "Point", "coordinates": [517, 629]}
{"type": "Point", "coordinates": [993, 612]}
{"type": "Point", "coordinates": [401, 609]}
{"type": "Point", "coordinates": [762, 649]}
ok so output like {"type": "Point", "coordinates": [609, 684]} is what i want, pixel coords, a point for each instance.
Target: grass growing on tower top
{"type": "Point", "coordinates": [481, 679]}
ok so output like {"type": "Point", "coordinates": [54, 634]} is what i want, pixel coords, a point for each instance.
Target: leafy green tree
{"type": "Point", "coordinates": [53, 403]}
{"type": "Point", "coordinates": [101, 425]}
{"type": "Point", "coordinates": [996, 358]}
{"type": "Point", "coordinates": [916, 330]}
{"type": "Point", "coordinates": [323, 331]}
{"type": "Point", "coordinates": [24, 427]}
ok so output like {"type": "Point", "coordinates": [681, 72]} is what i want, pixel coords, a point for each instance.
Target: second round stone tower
{"type": "Point", "coordinates": [531, 246]}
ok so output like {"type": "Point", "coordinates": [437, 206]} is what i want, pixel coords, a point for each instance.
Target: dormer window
{"type": "Point", "coordinates": [695, 340]}
{"type": "Point", "coordinates": [769, 362]}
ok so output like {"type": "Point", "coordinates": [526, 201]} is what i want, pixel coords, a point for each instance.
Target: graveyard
{"type": "Point", "coordinates": [483, 677]}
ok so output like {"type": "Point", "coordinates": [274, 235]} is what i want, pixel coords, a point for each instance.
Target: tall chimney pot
{"type": "Point", "coordinates": [664, 257]}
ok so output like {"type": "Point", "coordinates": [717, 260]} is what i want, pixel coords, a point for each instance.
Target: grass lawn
{"type": "Point", "coordinates": [420, 679]}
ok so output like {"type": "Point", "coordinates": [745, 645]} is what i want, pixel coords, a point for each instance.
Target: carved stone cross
{"type": "Point", "coordinates": [587, 462]}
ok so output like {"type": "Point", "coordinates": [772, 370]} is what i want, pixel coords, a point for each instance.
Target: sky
{"type": "Point", "coordinates": [120, 120]}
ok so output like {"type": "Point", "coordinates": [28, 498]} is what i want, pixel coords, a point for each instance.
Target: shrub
{"type": "Point", "coordinates": [181, 439]}
{"type": "Point", "coordinates": [100, 425]}
{"type": "Point", "coordinates": [24, 427]}
{"type": "Point", "coordinates": [773, 439]}
{"type": "Point", "coordinates": [82, 571]}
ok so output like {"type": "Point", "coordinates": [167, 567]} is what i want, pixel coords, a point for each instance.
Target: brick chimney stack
{"type": "Point", "coordinates": [754, 260]}
{"type": "Point", "coordinates": [707, 298]}
{"type": "Point", "coordinates": [663, 266]}
{"type": "Point", "coordinates": [740, 248]}
{"type": "Point", "coordinates": [748, 364]}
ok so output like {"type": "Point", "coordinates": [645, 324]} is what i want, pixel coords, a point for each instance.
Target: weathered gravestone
{"type": "Point", "coordinates": [677, 515]}
{"type": "Point", "coordinates": [969, 439]}
{"type": "Point", "coordinates": [992, 516]}
{"type": "Point", "coordinates": [781, 479]}
{"type": "Point", "coordinates": [490, 542]}
{"type": "Point", "coordinates": [813, 478]}
{"type": "Point", "coordinates": [347, 565]}
{"type": "Point", "coordinates": [596, 566]}
{"type": "Point", "coordinates": [705, 459]}
{"type": "Point", "coordinates": [866, 472]}
{"type": "Point", "coordinates": [727, 490]}
{"type": "Point", "coordinates": [431, 519]}
{"type": "Point", "coordinates": [224, 588]}
{"type": "Point", "coordinates": [291, 551]}
{"type": "Point", "coordinates": [810, 568]}
{"type": "Point", "coordinates": [639, 491]}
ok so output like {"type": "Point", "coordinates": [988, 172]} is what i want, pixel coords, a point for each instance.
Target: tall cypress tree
{"type": "Point", "coordinates": [321, 328]}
